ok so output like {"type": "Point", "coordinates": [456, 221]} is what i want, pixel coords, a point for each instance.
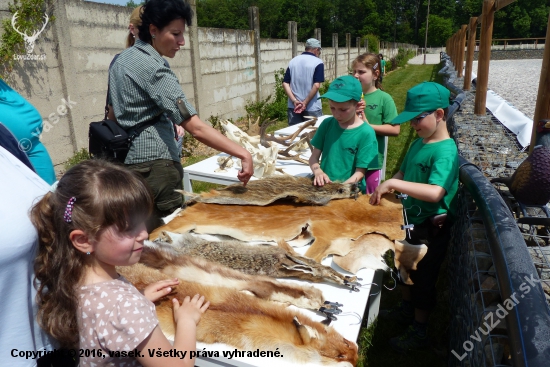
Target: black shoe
{"type": "Point", "coordinates": [397, 314]}
{"type": "Point", "coordinates": [410, 341]}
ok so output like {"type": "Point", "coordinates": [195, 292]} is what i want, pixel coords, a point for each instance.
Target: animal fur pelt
{"type": "Point", "coordinates": [339, 219]}
{"type": "Point", "coordinates": [270, 189]}
{"type": "Point", "coordinates": [368, 252]}
{"type": "Point", "coordinates": [274, 261]}
{"type": "Point", "coordinates": [248, 323]}
{"type": "Point", "coordinates": [165, 258]}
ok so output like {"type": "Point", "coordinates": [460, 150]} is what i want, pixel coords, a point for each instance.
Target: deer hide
{"type": "Point", "coordinates": [164, 257]}
{"type": "Point", "coordinates": [273, 261]}
{"type": "Point", "coordinates": [339, 219]}
{"type": "Point", "coordinates": [368, 252]}
{"type": "Point", "coordinates": [248, 323]}
{"type": "Point", "coordinates": [270, 189]}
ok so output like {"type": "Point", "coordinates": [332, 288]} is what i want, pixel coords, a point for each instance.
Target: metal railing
{"type": "Point", "coordinates": [499, 312]}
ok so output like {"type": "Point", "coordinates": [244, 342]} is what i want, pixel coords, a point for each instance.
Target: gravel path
{"type": "Point", "coordinates": [517, 81]}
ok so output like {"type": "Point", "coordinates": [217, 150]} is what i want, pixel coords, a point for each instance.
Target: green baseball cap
{"type": "Point", "coordinates": [424, 97]}
{"type": "Point", "coordinates": [343, 89]}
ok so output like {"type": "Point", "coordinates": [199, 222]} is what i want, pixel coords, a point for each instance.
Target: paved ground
{"type": "Point", "coordinates": [430, 59]}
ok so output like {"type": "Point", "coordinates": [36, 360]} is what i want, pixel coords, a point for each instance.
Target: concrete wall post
{"type": "Point", "coordinates": [293, 36]}
{"type": "Point", "coordinates": [335, 46]}
{"type": "Point", "coordinates": [195, 57]}
{"type": "Point", "coordinates": [254, 21]}
{"type": "Point", "coordinates": [348, 46]}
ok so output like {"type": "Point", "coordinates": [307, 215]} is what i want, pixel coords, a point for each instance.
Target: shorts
{"type": "Point", "coordinates": [423, 291]}
{"type": "Point", "coordinates": [163, 176]}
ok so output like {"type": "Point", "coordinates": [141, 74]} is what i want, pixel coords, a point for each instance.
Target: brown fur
{"type": "Point", "coordinates": [249, 323]}
{"type": "Point", "coordinates": [270, 189]}
{"type": "Point", "coordinates": [169, 261]}
{"type": "Point", "coordinates": [407, 256]}
{"type": "Point", "coordinates": [274, 261]}
{"type": "Point", "coordinates": [346, 218]}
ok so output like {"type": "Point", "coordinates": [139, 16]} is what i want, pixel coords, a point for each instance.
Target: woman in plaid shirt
{"type": "Point", "coordinates": [142, 87]}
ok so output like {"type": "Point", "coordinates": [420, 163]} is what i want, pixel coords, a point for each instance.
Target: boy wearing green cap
{"type": "Point", "coordinates": [346, 142]}
{"type": "Point", "coordinates": [429, 176]}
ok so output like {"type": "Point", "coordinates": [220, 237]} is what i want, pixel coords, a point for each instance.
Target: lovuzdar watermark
{"type": "Point", "coordinates": [29, 41]}
{"type": "Point", "coordinates": [501, 312]}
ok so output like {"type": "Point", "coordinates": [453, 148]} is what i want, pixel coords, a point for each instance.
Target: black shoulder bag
{"type": "Point", "coordinates": [108, 140]}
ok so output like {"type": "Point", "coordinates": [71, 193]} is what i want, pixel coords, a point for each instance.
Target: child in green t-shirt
{"type": "Point", "coordinates": [429, 176]}
{"type": "Point", "coordinates": [378, 109]}
{"type": "Point", "coordinates": [346, 142]}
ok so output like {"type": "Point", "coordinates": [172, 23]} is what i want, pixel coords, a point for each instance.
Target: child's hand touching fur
{"type": "Point", "coordinates": [190, 309]}
{"type": "Point", "coordinates": [154, 292]}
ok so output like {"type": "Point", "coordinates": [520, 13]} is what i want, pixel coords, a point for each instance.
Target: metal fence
{"type": "Point", "coordinates": [499, 270]}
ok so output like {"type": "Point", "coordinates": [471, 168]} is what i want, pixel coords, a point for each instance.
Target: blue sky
{"type": "Point", "coordinates": [116, 2]}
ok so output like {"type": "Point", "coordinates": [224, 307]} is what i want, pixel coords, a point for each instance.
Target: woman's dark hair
{"type": "Point", "coordinates": [106, 195]}
{"type": "Point", "coordinates": [160, 13]}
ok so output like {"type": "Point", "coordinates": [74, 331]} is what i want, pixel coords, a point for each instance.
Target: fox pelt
{"type": "Point", "coordinates": [274, 261]}
{"type": "Point", "coordinates": [249, 323]}
{"type": "Point", "coordinates": [163, 257]}
{"type": "Point", "coordinates": [267, 190]}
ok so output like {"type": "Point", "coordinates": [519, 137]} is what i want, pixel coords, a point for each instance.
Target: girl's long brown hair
{"type": "Point", "coordinates": [106, 195]}
{"type": "Point", "coordinates": [370, 61]}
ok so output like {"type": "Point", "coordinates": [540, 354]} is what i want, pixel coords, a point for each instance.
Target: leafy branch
{"type": "Point", "coordinates": [30, 17]}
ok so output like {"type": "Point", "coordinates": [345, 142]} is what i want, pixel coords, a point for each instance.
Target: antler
{"type": "Point", "coordinates": [284, 140]}
{"type": "Point", "coordinates": [15, 28]}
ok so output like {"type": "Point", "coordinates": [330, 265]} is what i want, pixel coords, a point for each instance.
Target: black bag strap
{"type": "Point", "coordinates": [108, 87]}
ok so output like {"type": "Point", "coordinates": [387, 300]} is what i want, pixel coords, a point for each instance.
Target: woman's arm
{"type": "Point", "coordinates": [214, 139]}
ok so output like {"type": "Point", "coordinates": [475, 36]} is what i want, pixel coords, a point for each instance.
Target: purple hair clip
{"type": "Point", "coordinates": [69, 210]}
{"type": "Point", "coordinates": [375, 66]}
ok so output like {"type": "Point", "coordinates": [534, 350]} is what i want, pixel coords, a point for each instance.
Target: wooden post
{"type": "Point", "coordinates": [505, 43]}
{"type": "Point", "coordinates": [293, 29]}
{"type": "Point", "coordinates": [366, 45]}
{"type": "Point", "coordinates": [254, 22]}
{"type": "Point", "coordinates": [358, 44]}
{"type": "Point", "coordinates": [335, 46]}
{"type": "Point", "coordinates": [472, 27]}
{"type": "Point", "coordinates": [487, 18]}
{"type": "Point", "coordinates": [195, 59]}
{"type": "Point", "coordinates": [348, 45]}
{"type": "Point", "coordinates": [461, 46]}
{"type": "Point", "coordinates": [542, 108]}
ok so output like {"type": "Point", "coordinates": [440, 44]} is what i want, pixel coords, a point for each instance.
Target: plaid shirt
{"type": "Point", "coordinates": [141, 88]}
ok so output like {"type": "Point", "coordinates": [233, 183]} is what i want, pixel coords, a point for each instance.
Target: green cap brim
{"type": "Point", "coordinates": [404, 117]}
{"type": "Point", "coordinates": [337, 97]}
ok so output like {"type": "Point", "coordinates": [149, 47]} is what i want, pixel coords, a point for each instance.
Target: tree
{"type": "Point", "coordinates": [439, 30]}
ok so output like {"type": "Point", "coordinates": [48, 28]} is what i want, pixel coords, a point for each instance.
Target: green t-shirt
{"type": "Point", "coordinates": [435, 164]}
{"type": "Point", "coordinates": [380, 109]}
{"type": "Point", "coordinates": [344, 150]}
{"type": "Point", "coordinates": [383, 66]}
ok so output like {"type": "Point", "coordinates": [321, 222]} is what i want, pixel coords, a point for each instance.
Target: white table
{"type": "Point", "coordinates": [204, 170]}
